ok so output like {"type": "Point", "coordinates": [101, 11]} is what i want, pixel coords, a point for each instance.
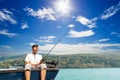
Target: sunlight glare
{"type": "Point", "coordinates": [63, 7]}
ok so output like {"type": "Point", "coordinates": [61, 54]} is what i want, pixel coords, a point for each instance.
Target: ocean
{"type": "Point", "coordinates": [89, 74]}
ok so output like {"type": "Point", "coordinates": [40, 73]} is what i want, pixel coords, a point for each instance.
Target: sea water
{"type": "Point", "coordinates": [89, 74]}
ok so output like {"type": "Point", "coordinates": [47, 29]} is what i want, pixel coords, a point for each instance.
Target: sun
{"type": "Point", "coordinates": [62, 7]}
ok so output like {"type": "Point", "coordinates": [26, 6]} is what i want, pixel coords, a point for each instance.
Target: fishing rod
{"type": "Point", "coordinates": [54, 45]}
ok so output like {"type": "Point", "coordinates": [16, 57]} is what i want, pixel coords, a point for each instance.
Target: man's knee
{"type": "Point", "coordinates": [27, 67]}
{"type": "Point", "coordinates": [43, 66]}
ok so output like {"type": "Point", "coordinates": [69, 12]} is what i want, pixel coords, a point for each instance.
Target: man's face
{"type": "Point", "coordinates": [35, 50]}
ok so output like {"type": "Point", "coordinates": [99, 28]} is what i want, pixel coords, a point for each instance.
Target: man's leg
{"type": "Point", "coordinates": [27, 71]}
{"type": "Point", "coordinates": [27, 74]}
{"type": "Point", "coordinates": [43, 74]}
{"type": "Point", "coordinates": [43, 71]}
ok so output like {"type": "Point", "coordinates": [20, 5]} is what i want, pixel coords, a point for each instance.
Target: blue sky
{"type": "Point", "coordinates": [93, 26]}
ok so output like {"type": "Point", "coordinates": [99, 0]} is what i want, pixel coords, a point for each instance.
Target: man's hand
{"type": "Point", "coordinates": [42, 60]}
{"type": "Point", "coordinates": [32, 64]}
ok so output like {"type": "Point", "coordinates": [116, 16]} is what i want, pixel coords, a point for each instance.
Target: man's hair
{"type": "Point", "coordinates": [34, 46]}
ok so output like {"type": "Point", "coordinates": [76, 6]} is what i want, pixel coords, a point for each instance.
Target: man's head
{"type": "Point", "coordinates": [35, 49]}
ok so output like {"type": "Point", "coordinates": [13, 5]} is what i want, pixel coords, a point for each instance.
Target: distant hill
{"type": "Point", "coordinates": [70, 61]}
{"type": "Point", "coordinates": [12, 57]}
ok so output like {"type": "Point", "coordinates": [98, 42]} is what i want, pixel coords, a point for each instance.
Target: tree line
{"type": "Point", "coordinates": [70, 61]}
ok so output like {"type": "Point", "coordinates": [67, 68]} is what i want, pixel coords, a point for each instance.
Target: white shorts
{"type": "Point", "coordinates": [29, 66]}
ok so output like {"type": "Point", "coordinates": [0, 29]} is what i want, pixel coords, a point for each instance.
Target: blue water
{"type": "Point", "coordinates": [89, 74]}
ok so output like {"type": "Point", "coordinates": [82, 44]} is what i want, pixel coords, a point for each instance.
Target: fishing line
{"type": "Point", "coordinates": [55, 45]}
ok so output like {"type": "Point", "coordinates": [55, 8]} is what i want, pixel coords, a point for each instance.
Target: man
{"type": "Point", "coordinates": [34, 61]}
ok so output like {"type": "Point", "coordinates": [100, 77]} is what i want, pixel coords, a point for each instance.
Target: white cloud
{"type": "Point", "coordinates": [45, 13]}
{"type": "Point", "coordinates": [71, 25]}
{"type": "Point", "coordinates": [91, 23]}
{"type": "Point", "coordinates": [6, 15]}
{"type": "Point", "coordinates": [103, 40]}
{"type": "Point", "coordinates": [111, 11]}
{"type": "Point", "coordinates": [46, 39]}
{"type": "Point", "coordinates": [31, 43]}
{"type": "Point", "coordinates": [6, 33]}
{"type": "Point", "coordinates": [24, 26]}
{"type": "Point", "coordinates": [4, 47]}
{"type": "Point", "coordinates": [62, 49]}
{"type": "Point", "coordinates": [6, 11]}
{"type": "Point", "coordinates": [75, 34]}
{"type": "Point", "coordinates": [59, 26]}
{"type": "Point", "coordinates": [6, 50]}
{"type": "Point", "coordinates": [115, 33]}
{"type": "Point", "coordinates": [86, 22]}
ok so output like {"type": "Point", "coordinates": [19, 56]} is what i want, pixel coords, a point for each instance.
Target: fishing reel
{"type": "Point", "coordinates": [51, 64]}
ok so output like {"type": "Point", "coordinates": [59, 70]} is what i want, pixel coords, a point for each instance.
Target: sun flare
{"type": "Point", "coordinates": [63, 7]}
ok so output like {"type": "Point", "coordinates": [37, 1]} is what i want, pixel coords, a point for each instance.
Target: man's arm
{"type": "Point", "coordinates": [27, 61]}
{"type": "Point", "coordinates": [31, 63]}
